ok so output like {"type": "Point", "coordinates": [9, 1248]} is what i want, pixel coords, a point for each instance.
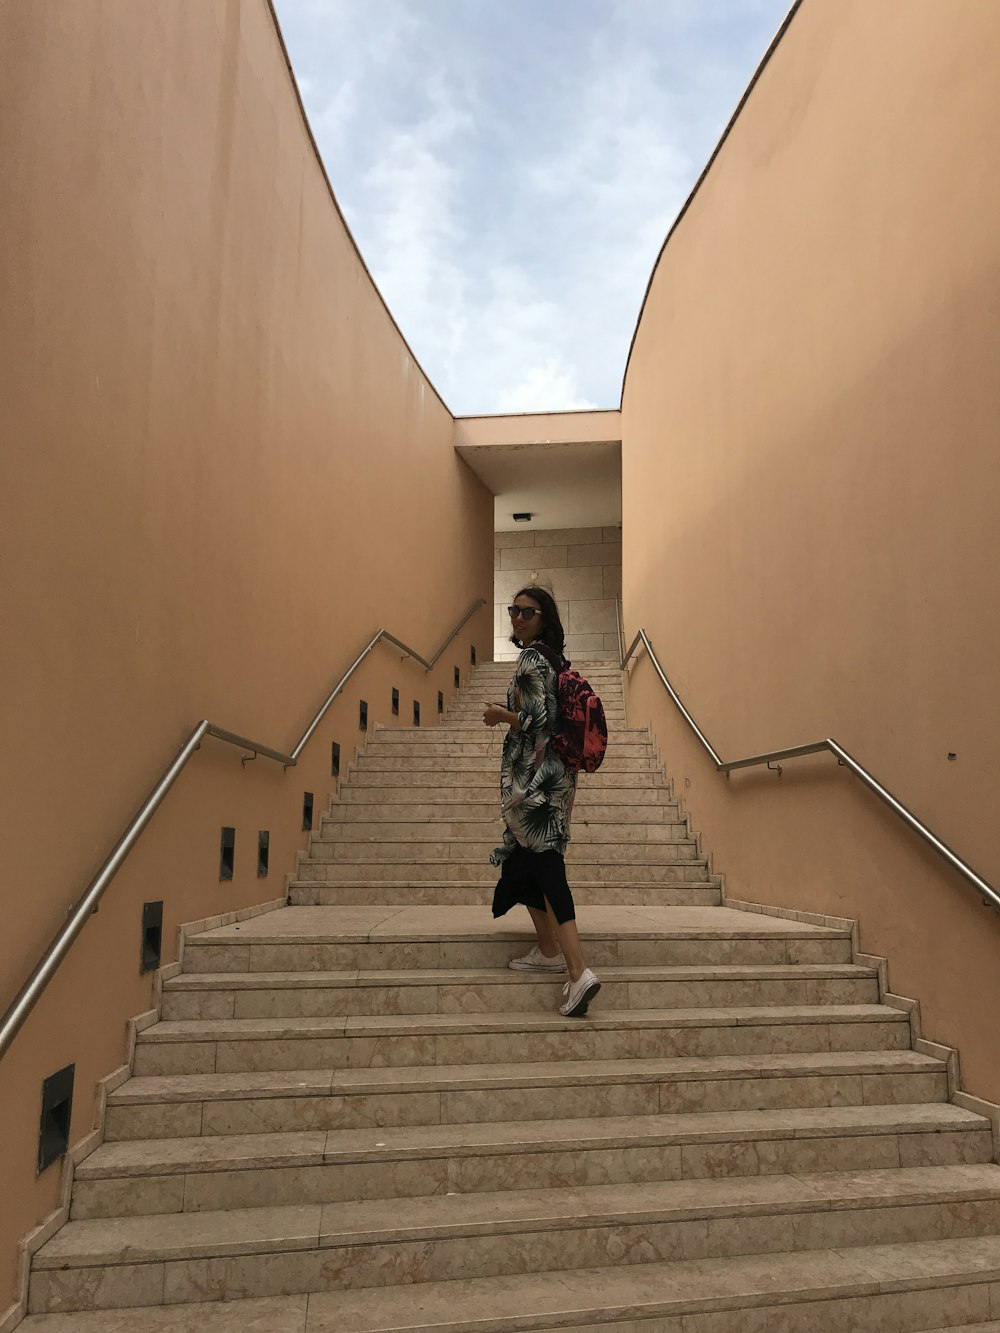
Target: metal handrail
{"type": "Point", "coordinates": [989, 894]}
{"type": "Point", "coordinates": [48, 964]}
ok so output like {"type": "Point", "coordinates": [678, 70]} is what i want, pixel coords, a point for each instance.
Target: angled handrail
{"type": "Point", "coordinates": [989, 894]}
{"type": "Point", "coordinates": [78, 915]}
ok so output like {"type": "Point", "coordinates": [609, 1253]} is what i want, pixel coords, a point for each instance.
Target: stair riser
{"type": "Point", "coordinates": [275, 1115]}
{"type": "Point", "coordinates": [436, 747]}
{"type": "Point", "coordinates": [488, 765]}
{"type": "Point", "coordinates": [483, 830]}
{"type": "Point", "coordinates": [931, 1309]}
{"type": "Point", "coordinates": [368, 955]}
{"type": "Point", "coordinates": [319, 894]}
{"type": "Point", "coordinates": [357, 1266]}
{"type": "Point", "coordinates": [362, 1052]}
{"type": "Point", "coordinates": [529, 996]}
{"type": "Point", "coordinates": [470, 712]}
{"type": "Point", "coordinates": [418, 853]}
{"type": "Point", "coordinates": [614, 777]}
{"type": "Point", "coordinates": [471, 727]}
{"type": "Point", "coordinates": [508, 1168]}
{"type": "Point", "coordinates": [635, 806]}
{"type": "Point", "coordinates": [579, 865]}
{"type": "Point", "coordinates": [495, 692]}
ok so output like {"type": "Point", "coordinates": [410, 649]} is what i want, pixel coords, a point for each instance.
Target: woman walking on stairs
{"type": "Point", "coordinates": [536, 798]}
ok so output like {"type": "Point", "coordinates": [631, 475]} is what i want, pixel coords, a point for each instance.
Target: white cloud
{"type": "Point", "coordinates": [548, 388]}
{"type": "Point", "coordinates": [510, 172]}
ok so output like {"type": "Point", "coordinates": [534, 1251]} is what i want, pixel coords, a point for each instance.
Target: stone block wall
{"type": "Point", "coordinates": [581, 567]}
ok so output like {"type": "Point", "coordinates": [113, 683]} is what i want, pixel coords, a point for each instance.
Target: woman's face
{"type": "Point", "coordinates": [526, 628]}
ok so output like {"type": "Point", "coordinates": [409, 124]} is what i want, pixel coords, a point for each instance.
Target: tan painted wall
{"type": "Point", "coordinates": [223, 471]}
{"type": "Point", "coordinates": [811, 488]}
{"type": "Point", "coordinates": [580, 567]}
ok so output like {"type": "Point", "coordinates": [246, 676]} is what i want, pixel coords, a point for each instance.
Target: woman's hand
{"type": "Point", "coordinates": [494, 715]}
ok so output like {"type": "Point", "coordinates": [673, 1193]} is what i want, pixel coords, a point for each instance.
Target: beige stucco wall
{"type": "Point", "coordinates": [539, 427]}
{"type": "Point", "coordinates": [811, 488]}
{"type": "Point", "coordinates": [580, 567]}
{"type": "Point", "coordinates": [223, 471]}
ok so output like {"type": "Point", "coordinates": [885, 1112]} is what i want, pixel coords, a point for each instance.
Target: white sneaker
{"type": "Point", "coordinates": [536, 961]}
{"type": "Point", "coordinates": [579, 994]}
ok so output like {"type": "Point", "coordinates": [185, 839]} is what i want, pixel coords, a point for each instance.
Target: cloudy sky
{"type": "Point", "coordinates": [509, 169]}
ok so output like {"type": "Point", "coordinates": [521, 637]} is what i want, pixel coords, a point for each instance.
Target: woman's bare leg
{"type": "Point", "coordinates": [569, 942]}
{"type": "Point", "coordinates": [548, 939]}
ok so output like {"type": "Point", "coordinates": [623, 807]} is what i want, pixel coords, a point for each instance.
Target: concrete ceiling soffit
{"type": "Point", "coordinates": [563, 485]}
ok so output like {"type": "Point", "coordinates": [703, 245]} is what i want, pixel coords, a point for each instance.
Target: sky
{"type": "Point", "coordinates": [510, 168]}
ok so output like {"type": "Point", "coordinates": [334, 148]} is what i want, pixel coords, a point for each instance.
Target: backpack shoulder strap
{"type": "Point", "coordinates": [554, 659]}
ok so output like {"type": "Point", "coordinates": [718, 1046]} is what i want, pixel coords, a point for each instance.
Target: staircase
{"type": "Point", "coordinates": [353, 1116]}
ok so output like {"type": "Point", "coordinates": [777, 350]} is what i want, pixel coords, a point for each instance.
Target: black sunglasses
{"type": "Point", "coordinates": [525, 612]}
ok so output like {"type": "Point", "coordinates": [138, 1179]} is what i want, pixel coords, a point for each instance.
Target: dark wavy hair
{"type": "Point", "coordinates": [552, 630]}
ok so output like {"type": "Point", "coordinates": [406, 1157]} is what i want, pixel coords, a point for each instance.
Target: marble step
{"type": "Point", "coordinates": [331, 939]}
{"type": "Point", "coordinates": [471, 716]}
{"type": "Point", "coordinates": [318, 994]}
{"type": "Point", "coordinates": [610, 693]}
{"type": "Point", "coordinates": [472, 703]}
{"type": "Point", "coordinates": [585, 830]}
{"type": "Point", "coordinates": [990, 1326]}
{"type": "Point", "coordinates": [434, 744]}
{"type": "Point", "coordinates": [321, 893]}
{"type": "Point", "coordinates": [434, 848]}
{"type": "Point", "coordinates": [179, 1106]}
{"type": "Point", "coordinates": [641, 806]}
{"type": "Point", "coordinates": [633, 794]}
{"type": "Point", "coordinates": [169, 1259]}
{"type": "Point", "coordinates": [242, 1045]}
{"type": "Point", "coordinates": [474, 729]}
{"type": "Point", "coordinates": [211, 1172]}
{"type": "Point", "coordinates": [469, 776]}
{"type": "Point", "coordinates": [580, 865]}
{"type": "Point", "coordinates": [602, 670]}
{"type": "Point", "coordinates": [605, 683]}
{"type": "Point", "coordinates": [428, 759]}
{"type": "Point", "coordinates": [751, 1300]}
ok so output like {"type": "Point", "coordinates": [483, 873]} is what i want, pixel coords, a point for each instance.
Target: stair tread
{"type": "Point", "coordinates": [206, 981]}
{"type": "Point", "coordinates": [140, 1157]}
{"type": "Point", "coordinates": [158, 1088]}
{"type": "Point", "coordinates": [579, 883]}
{"type": "Point", "coordinates": [248, 1230]}
{"type": "Point", "coordinates": [362, 1025]}
{"type": "Point", "coordinates": [314, 925]}
{"type": "Point", "coordinates": [551, 1299]}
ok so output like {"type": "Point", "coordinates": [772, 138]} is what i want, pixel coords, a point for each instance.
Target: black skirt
{"type": "Point", "coordinates": [534, 879]}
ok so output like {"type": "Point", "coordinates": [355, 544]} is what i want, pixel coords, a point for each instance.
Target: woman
{"type": "Point", "coordinates": [536, 797]}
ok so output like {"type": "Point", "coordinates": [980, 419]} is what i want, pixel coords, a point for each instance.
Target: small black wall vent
{"type": "Point", "coordinates": [416, 712]}
{"type": "Point", "coordinates": [152, 936]}
{"type": "Point", "coordinates": [363, 715]}
{"type": "Point", "coordinates": [458, 678]}
{"type": "Point", "coordinates": [440, 703]}
{"type": "Point", "coordinates": [395, 703]}
{"type": "Point", "coordinates": [263, 852]}
{"type": "Point", "coordinates": [473, 655]}
{"type": "Point", "coordinates": [307, 810]}
{"type": "Point", "coordinates": [57, 1109]}
{"type": "Point", "coordinates": [335, 760]}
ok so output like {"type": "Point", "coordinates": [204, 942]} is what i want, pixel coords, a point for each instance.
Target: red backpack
{"type": "Point", "coordinates": [581, 735]}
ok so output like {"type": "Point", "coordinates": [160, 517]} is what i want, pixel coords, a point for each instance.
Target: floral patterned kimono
{"type": "Point", "coordinates": [536, 788]}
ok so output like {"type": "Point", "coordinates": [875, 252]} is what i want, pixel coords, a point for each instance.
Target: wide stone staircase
{"type": "Point", "coordinates": [352, 1116]}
